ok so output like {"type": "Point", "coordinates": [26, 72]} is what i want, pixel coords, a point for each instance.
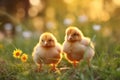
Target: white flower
{"type": "Point", "coordinates": [50, 24]}
{"type": "Point", "coordinates": [27, 34]}
{"type": "Point", "coordinates": [8, 26]}
{"type": "Point", "coordinates": [96, 27]}
{"type": "Point", "coordinates": [82, 18]}
{"type": "Point", "coordinates": [68, 21]}
{"type": "Point", "coordinates": [18, 28]}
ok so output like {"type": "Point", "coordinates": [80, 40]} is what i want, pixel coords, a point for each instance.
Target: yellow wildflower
{"type": "Point", "coordinates": [17, 53]}
{"type": "Point", "coordinates": [24, 57]}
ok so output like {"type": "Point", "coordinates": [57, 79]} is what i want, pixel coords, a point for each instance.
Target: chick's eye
{"type": "Point", "coordinates": [75, 34]}
{"type": "Point", "coordinates": [42, 40]}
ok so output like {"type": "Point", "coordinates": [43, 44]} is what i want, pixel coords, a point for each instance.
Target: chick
{"type": "Point", "coordinates": [76, 46]}
{"type": "Point", "coordinates": [47, 51]}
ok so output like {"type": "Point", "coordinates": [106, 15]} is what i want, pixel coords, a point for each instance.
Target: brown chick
{"type": "Point", "coordinates": [76, 46]}
{"type": "Point", "coordinates": [47, 51]}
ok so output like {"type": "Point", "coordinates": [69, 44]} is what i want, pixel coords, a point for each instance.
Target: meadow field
{"type": "Point", "coordinates": [105, 64]}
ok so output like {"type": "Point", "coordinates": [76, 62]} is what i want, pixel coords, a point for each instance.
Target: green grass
{"type": "Point", "coordinates": [105, 64]}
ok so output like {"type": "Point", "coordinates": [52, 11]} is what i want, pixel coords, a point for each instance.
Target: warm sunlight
{"type": "Point", "coordinates": [59, 39]}
{"type": "Point", "coordinates": [116, 2]}
{"type": "Point", "coordinates": [35, 2]}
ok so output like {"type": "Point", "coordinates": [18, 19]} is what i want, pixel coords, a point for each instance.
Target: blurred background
{"type": "Point", "coordinates": [27, 19]}
{"type": "Point", "coordinates": [23, 21]}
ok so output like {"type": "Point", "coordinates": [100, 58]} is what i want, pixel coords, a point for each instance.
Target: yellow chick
{"type": "Point", "coordinates": [76, 46]}
{"type": "Point", "coordinates": [47, 51]}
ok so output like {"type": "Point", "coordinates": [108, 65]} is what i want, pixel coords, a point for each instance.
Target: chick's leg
{"type": "Point", "coordinates": [39, 68]}
{"type": "Point", "coordinates": [53, 67]}
{"type": "Point", "coordinates": [74, 64]}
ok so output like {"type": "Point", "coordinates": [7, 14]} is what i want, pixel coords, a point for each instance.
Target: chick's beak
{"type": "Point", "coordinates": [45, 43]}
{"type": "Point", "coordinates": [69, 37]}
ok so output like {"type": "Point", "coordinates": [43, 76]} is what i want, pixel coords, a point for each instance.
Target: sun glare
{"type": "Point", "coordinates": [35, 2]}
